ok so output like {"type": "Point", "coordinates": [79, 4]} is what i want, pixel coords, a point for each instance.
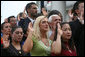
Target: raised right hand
{"type": "Point", "coordinates": [70, 13]}
{"type": "Point", "coordinates": [60, 32]}
{"type": "Point", "coordinates": [6, 43]}
{"type": "Point", "coordinates": [30, 28]}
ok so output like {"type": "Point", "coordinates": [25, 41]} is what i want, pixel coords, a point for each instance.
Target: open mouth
{"type": "Point", "coordinates": [46, 27]}
{"type": "Point", "coordinates": [9, 31]}
{"type": "Point", "coordinates": [69, 35]}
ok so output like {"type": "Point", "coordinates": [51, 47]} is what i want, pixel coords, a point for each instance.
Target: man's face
{"type": "Point", "coordinates": [13, 22]}
{"type": "Point", "coordinates": [6, 29]}
{"type": "Point", "coordinates": [56, 19]}
{"type": "Point", "coordinates": [81, 7]}
{"type": "Point", "coordinates": [33, 10]}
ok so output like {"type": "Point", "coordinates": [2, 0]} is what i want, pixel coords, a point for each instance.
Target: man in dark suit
{"type": "Point", "coordinates": [78, 36]}
{"type": "Point", "coordinates": [77, 27]}
{"type": "Point", "coordinates": [31, 9]}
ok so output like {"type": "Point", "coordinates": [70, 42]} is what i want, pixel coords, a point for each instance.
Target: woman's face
{"type": "Point", "coordinates": [67, 33]}
{"type": "Point", "coordinates": [43, 24]}
{"type": "Point", "coordinates": [17, 35]}
{"type": "Point", "coordinates": [6, 29]}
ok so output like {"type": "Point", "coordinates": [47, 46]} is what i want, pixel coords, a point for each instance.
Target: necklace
{"type": "Point", "coordinates": [69, 49]}
{"type": "Point", "coordinates": [19, 52]}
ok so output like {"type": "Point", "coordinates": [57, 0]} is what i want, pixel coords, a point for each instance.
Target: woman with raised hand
{"type": "Point", "coordinates": [37, 42]}
{"type": "Point", "coordinates": [14, 48]}
{"type": "Point", "coordinates": [67, 44]}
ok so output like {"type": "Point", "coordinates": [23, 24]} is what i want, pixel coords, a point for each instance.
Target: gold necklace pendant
{"type": "Point", "coordinates": [69, 49]}
{"type": "Point", "coordinates": [19, 52]}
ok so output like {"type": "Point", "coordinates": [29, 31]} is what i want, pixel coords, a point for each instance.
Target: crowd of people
{"type": "Point", "coordinates": [43, 34]}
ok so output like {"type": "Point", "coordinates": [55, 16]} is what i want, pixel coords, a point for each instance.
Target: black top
{"type": "Point", "coordinates": [12, 51]}
{"type": "Point", "coordinates": [78, 36]}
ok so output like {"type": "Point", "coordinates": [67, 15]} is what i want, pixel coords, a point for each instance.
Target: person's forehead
{"type": "Point", "coordinates": [45, 19]}
{"type": "Point", "coordinates": [56, 17]}
{"type": "Point", "coordinates": [18, 29]}
{"type": "Point", "coordinates": [66, 26]}
{"type": "Point", "coordinates": [81, 4]}
{"type": "Point", "coordinates": [34, 5]}
{"type": "Point", "coordinates": [13, 18]}
{"type": "Point", "coordinates": [7, 24]}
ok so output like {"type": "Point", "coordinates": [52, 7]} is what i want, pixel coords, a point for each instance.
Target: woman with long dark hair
{"type": "Point", "coordinates": [67, 44]}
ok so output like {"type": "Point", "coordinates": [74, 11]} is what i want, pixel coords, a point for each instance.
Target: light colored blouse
{"type": "Point", "coordinates": [39, 48]}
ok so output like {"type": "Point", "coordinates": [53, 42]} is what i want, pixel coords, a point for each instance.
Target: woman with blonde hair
{"type": "Point", "coordinates": [37, 42]}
